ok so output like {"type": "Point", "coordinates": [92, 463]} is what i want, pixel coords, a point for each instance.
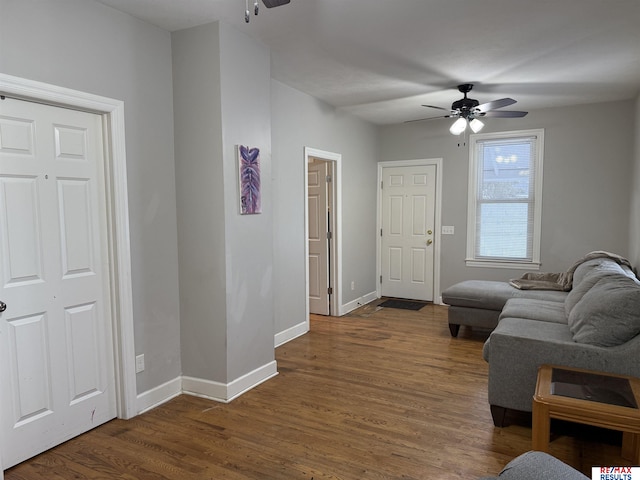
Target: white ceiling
{"type": "Point", "coordinates": [382, 59]}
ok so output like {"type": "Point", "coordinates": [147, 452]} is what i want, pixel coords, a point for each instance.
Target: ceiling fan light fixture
{"type": "Point", "coordinates": [459, 126]}
{"type": "Point", "coordinates": [476, 125]}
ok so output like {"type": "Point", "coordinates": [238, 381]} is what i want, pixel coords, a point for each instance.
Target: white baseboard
{"type": "Point", "coordinates": [358, 302]}
{"type": "Point", "coordinates": [224, 393]}
{"type": "Point", "coordinates": [158, 395]}
{"type": "Point", "coordinates": [199, 387]}
{"type": "Point", "coordinates": [291, 333]}
{"type": "Point", "coordinates": [205, 388]}
{"type": "Point", "coordinates": [251, 380]}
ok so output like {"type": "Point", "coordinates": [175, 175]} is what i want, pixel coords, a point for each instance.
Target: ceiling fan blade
{"type": "Point", "coordinates": [504, 114]}
{"type": "Point", "coordinates": [275, 3]}
{"type": "Point", "coordinates": [439, 108]}
{"type": "Point", "coordinates": [503, 102]}
{"type": "Point", "coordinates": [429, 118]}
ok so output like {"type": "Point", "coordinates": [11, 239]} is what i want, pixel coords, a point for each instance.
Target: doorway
{"type": "Point", "coordinates": [323, 246]}
{"type": "Point", "coordinates": [320, 238]}
{"type": "Point", "coordinates": [409, 195]}
{"type": "Point", "coordinates": [111, 115]}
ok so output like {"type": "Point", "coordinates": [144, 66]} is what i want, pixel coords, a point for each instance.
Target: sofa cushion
{"type": "Point", "coordinates": [608, 314]}
{"type": "Point", "coordinates": [585, 268]}
{"type": "Point", "coordinates": [588, 274]}
{"type": "Point", "coordinates": [532, 309]}
{"type": "Point", "coordinates": [525, 335]}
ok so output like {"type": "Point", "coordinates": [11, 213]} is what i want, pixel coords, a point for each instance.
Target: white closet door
{"type": "Point", "coordinates": [56, 352]}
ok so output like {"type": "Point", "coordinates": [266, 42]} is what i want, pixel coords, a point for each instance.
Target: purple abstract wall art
{"type": "Point", "coordinates": [249, 174]}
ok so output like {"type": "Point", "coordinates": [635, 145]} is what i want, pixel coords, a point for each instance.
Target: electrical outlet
{"type": "Point", "coordinates": [353, 285]}
{"type": "Point", "coordinates": [140, 363]}
{"type": "Point", "coordinates": [448, 230]}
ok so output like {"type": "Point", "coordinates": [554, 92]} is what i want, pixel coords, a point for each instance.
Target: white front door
{"type": "Point", "coordinates": [318, 237]}
{"type": "Point", "coordinates": [56, 355]}
{"type": "Point", "coordinates": [408, 223]}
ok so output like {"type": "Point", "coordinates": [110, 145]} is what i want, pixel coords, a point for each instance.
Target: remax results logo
{"type": "Point", "coordinates": [615, 473]}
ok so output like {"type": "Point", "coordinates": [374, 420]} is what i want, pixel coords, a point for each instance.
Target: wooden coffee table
{"type": "Point", "coordinates": [587, 397]}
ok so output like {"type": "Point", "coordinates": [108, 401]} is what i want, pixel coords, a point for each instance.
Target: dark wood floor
{"type": "Point", "coordinates": [378, 394]}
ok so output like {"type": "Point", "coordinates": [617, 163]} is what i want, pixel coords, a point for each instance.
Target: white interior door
{"type": "Point", "coordinates": [56, 355]}
{"type": "Point", "coordinates": [318, 216]}
{"type": "Point", "coordinates": [408, 223]}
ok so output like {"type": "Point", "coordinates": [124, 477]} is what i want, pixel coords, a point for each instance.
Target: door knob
{"type": "Point", "coordinates": [429, 242]}
{"type": "Point", "coordinates": [3, 306]}
{"type": "Point", "coordinates": [429, 232]}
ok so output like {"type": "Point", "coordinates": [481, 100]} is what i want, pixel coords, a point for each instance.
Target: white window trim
{"type": "Point", "coordinates": [471, 261]}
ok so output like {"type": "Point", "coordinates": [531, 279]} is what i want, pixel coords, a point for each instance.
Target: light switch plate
{"type": "Point", "coordinates": [140, 363]}
{"type": "Point", "coordinates": [448, 230]}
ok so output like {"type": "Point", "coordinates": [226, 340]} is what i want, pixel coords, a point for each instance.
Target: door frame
{"type": "Point", "coordinates": [438, 222]}
{"type": "Point", "coordinates": [112, 113]}
{"type": "Point", "coordinates": [335, 277]}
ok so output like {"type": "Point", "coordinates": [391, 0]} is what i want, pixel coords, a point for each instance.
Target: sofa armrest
{"type": "Point", "coordinates": [517, 347]}
{"type": "Point", "coordinates": [538, 466]}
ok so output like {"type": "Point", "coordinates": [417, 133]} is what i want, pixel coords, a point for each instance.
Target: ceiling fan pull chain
{"type": "Point", "coordinates": [247, 14]}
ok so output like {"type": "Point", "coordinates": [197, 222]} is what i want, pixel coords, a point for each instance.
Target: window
{"type": "Point", "coordinates": [505, 199]}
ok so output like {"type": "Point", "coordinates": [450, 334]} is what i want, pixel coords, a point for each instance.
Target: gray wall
{"type": "Point", "coordinates": [246, 115]}
{"type": "Point", "coordinates": [222, 99]}
{"type": "Point", "coordinates": [634, 237]}
{"type": "Point", "coordinates": [200, 201]}
{"type": "Point", "coordinates": [588, 164]}
{"type": "Point", "coordinates": [86, 46]}
{"type": "Point", "coordinates": [299, 121]}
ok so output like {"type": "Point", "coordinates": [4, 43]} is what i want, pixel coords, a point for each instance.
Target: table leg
{"type": "Point", "coordinates": [631, 447]}
{"type": "Point", "coordinates": [540, 426]}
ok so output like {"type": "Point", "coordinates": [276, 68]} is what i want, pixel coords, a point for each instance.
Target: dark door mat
{"type": "Point", "coordinates": [404, 304]}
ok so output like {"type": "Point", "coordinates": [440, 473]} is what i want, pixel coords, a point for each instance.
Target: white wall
{"type": "Point", "coordinates": [299, 121]}
{"type": "Point", "coordinates": [83, 45]}
{"type": "Point", "coordinates": [587, 182]}
{"type": "Point", "coordinates": [634, 219]}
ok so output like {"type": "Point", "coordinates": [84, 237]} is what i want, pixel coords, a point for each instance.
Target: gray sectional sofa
{"type": "Point", "coordinates": [596, 326]}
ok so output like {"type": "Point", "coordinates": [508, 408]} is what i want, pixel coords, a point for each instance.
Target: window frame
{"type": "Point", "coordinates": [472, 208]}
